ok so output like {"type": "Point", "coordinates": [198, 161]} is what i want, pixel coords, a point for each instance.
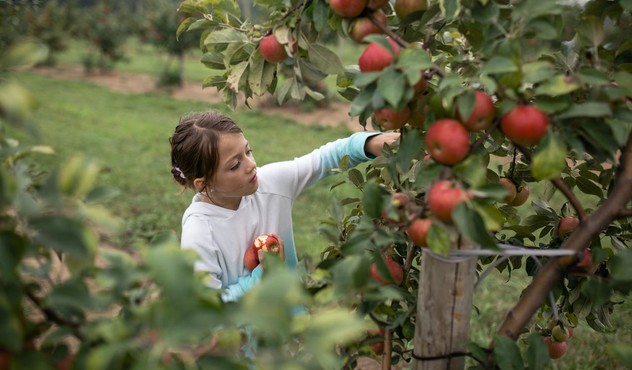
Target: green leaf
{"type": "Point", "coordinates": [225, 36]}
{"type": "Point", "coordinates": [361, 101]}
{"type": "Point", "coordinates": [64, 234]}
{"type": "Point", "coordinates": [471, 225]}
{"type": "Point", "coordinates": [235, 76]}
{"type": "Point", "coordinates": [413, 61]}
{"type": "Point", "coordinates": [536, 72]}
{"type": "Point", "coordinates": [588, 109]}
{"type": "Point", "coordinates": [373, 199]}
{"type": "Point", "coordinates": [324, 59]}
{"type": "Point", "coordinates": [624, 80]}
{"type": "Point", "coordinates": [213, 60]}
{"type": "Point", "coordinates": [549, 159]}
{"type": "Point", "coordinates": [620, 266]}
{"type": "Point", "coordinates": [409, 149]}
{"type": "Point", "coordinates": [392, 86]}
{"type": "Point", "coordinates": [557, 85]}
{"type": "Point", "coordinates": [537, 353]}
{"type": "Point", "coordinates": [588, 187]}
{"type": "Point", "coordinates": [438, 239]}
{"type": "Point", "coordinates": [261, 74]}
{"type": "Point", "coordinates": [450, 8]}
{"type": "Point", "coordinates": [597, 291]}
{"type": "Point", "coordinates": [507, 354]}
{"type": "Point", "coordinates": [499, 64]}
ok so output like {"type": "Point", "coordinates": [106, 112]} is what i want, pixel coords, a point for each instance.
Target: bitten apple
{"type": "Point", "coordinates": [525, 125]}
{"type": "Point", "coordinates": [447, 141]}
{"type": "Point", "coordinates": [262, 243]}
{"type": "Point", "coordinates": [443, 197]}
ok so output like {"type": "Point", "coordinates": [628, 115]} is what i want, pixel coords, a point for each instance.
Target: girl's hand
{"type": "Point", "coordinates": [375, 144]}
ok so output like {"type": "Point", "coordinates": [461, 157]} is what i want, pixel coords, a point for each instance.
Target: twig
{"type": "Point", "coordinates": [561, 186]}
{"type": "Point", "coordinates": [53, 316]}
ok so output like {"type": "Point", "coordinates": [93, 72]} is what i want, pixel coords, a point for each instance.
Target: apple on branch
{"type": "Point", "coordinates": [348, 8]}
{"type": "Point", "coordinates": [417, 231]}
{"type": "Point", "coordinates": [390, 119]}
{"type": "Point", "coordinates": [443, 197]}
{"type": "Point", "coordinates": [525, 125]}
{"type": "Point", "coordinates": [272, 50]}
{"type": "Point", "coordinates": [482, 113]}
{"type": "Point", "coordinates": [361, 27]}
{"type": "Point", "coordinates": [404, 8]}
{"type": "Point", "coordinates": [375, 57]}
{"type": "Point", "coordinates": [395, 269]}
{"type": "Point", "coordinates": [447, 141]}
{"type": "Point", "coordinates": [511, 189]}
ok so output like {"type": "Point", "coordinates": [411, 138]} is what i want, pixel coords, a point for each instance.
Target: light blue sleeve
{"type": "Point", "coordinates": [353, 146]}
{"type": "Point", "coordinates": [244, 283]}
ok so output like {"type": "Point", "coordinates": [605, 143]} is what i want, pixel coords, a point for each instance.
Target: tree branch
{"type": "Point", "coordinates": [51, 315]}
{"type": "Point", "coordinates": [535, 294]}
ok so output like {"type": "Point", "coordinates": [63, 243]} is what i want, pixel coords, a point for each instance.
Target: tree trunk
{"type": "Point", "coordinates": [444, 306]}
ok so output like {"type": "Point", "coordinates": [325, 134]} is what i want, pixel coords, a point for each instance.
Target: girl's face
{"type": "Point", "coordinates": [236, 174]}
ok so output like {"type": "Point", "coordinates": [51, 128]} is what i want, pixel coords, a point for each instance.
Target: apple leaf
{"type": "Point", "coordinates": [235, 75]}
{"type": "Point", "coordinates": [537, 354]}
{"type": "Point", "coordinates": [324, 59]}
{"type": "Point", "coordinates": [597, 291]}
{"type": "Point", "coordinates": [465, 104]}
{"type": "Point", "coordinates": [507, 354]}
{"type": "Point", "coordinates": [471, 225]}
{"type": "Point", "coordinates": [549, 159]}
{"type": "Point", "coordinates": [620, 266]}
{"type": "Point", "coordinates": [373, 199]}
{"type": "Point", "coordinates": [392, 86]}
{"type": "Point", "coordinates": [225, 36]}
{"type": "Point", "coordinates": [537, 72]}
{"type": "Point", "coordinates": [557, 85]}
{"type": "Point", "coordinates": [588, 109]}
{"type": "Point", "coordinates": [450, 8]}
{"type": "Point", "coordinates": [499, 64]}
{"type": "Point", "coordinates": [261, 74]}
{"type": "Point", "coordinates": [438, 239]}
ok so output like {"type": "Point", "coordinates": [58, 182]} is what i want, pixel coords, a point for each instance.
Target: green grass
{"type": "Point", "coordinates": [128, 135]}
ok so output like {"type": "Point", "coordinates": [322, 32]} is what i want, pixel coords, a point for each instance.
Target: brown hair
{"type": "Point", "coordinates": [194, 145]}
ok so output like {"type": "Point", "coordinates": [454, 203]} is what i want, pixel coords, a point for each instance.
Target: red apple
{"type": "Point", "coordinates": [395, 269]}
{"type": "Point", "coordinates": [525, 125]}
{"type": "Point", "coordinates": [482, 114]}
{"type": "Point", "coordinates": [251, 259]}
{"type": "Point", "coordinates": [396, 210]}
{"type": "Point", "coordinates": [364, 26]}
{"type": "Point", "coordinates": [375, 57]}
{"type": "Point", "coordinates": [567, 225]}
{"type": "Point", "coordinates": [418, 231]}
{"type": "Point", "coordinates": [511, 189]}
{"type": "Point", "coordinates": [447, 141]}
{"type": "Point", "coordinates": [5, 360]}
{"type": "Point", "coordinates": [559, 333]}
{"type": "Point", "coordinates": [390, 119]}
{"type": "Point", "coordinates": [272, 50]}
{"type": "Point", "coordinates": [556, 349]}
{"type": "Point", "coordinates": [377, 347]}
{"type": "Point", "coordinates": [404, 8]}
{"type": "Point", "coordinates": [348, 8]}
{"type": "Point", "coordinates": [521, 197]}
{"type": "Point", "coordinates": [442, 197]}
{"type": "Point", "coordinates": [265, 243]}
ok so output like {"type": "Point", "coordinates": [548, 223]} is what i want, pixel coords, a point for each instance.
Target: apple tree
{"type": "Point", "coordinates": [514, 116]}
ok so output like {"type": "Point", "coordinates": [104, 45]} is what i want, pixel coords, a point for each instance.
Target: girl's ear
{"type": "Point", "coordinates": [199, 184]}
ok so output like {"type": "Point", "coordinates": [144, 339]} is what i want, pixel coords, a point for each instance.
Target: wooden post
{"type": "Point", "coordinates": [444, 305]}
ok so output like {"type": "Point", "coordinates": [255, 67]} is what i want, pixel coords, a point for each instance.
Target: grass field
{"type": "Point", "coordinates": [128, 134]}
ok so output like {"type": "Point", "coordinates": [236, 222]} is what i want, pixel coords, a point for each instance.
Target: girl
{"type": "Point", "coordinates": [236, 201]}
